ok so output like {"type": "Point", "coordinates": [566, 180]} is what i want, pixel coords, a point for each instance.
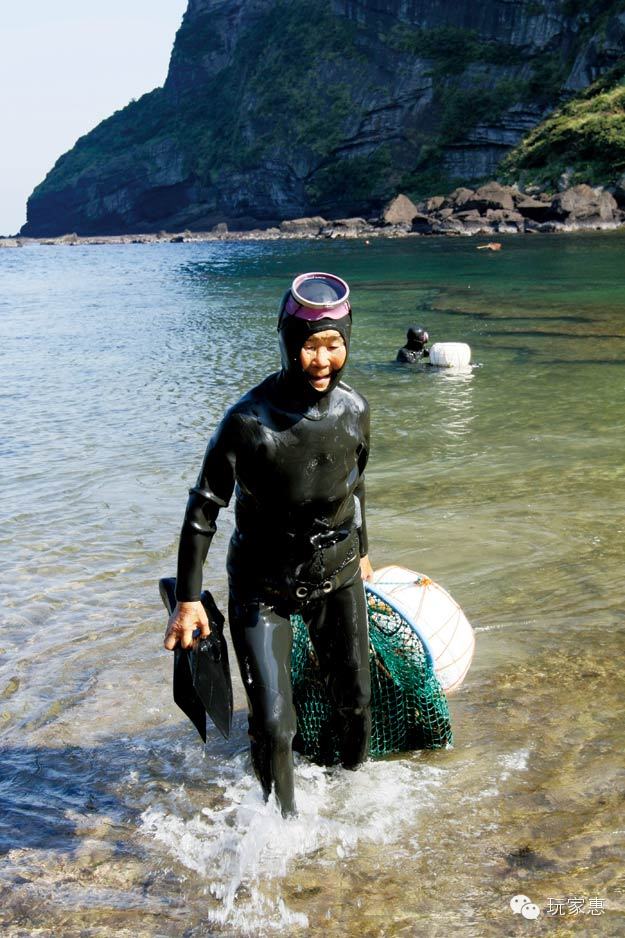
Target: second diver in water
{"type": "Point", "coordinates": [294, 450]}
{"type": "Point", "coordinates": [414, 350]}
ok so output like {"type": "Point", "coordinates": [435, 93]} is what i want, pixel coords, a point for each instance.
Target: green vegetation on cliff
{"type": "Point", "coordinates": [451, 48]}
{"type": "Point", "coordinates": [584, 139]}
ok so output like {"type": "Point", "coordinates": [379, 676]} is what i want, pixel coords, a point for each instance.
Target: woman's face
{"type": "Point", "coordinates": [322, 354]}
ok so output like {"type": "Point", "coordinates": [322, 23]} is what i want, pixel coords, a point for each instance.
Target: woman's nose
{"type": "Point", "coordinates": [322, 356]}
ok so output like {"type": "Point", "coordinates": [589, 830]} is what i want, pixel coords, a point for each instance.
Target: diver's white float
{"type": "Point", "coordinates": [450, 355]}
{"type": "Point", "coordinates": [436, 617]}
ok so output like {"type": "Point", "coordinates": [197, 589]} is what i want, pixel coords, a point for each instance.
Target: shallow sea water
{"type": "Point", "coordinates": [505, 484]}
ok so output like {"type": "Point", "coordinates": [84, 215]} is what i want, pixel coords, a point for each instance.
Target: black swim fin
{"type": "Point", "coordinates": [202, 683]}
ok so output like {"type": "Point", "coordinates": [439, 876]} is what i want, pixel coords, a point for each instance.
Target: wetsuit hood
{"type": "Point", "coordinates": [417, 337]}
{"type": "Point", "coordinates": [293, 332]}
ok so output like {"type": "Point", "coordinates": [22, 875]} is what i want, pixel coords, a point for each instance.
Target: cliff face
{"type": "Point", "coordinates": [280, 108]}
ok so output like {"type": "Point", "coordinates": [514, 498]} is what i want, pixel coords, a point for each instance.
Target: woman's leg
{"type": "Point", "coordinates": [262, 641]}
{"type": "Point", "coordinates": [338, 628]}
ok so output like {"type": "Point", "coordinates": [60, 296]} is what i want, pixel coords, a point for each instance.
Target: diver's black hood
{"type": "Point", "coordinates": [293, 333]}
{"type": "Point", "coordinates": [417, 338]}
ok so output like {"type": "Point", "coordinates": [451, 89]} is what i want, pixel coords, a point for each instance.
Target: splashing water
{"type": "Point", "coordinates": [245, 846]}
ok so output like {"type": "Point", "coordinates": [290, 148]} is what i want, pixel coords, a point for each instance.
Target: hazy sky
{"type": "Point", "coordinates": [64, 66]}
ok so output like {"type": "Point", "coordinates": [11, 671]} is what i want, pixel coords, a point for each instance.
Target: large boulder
{"type": "Point", "coordinates": [492, 195]}
{"type": "Point", "coordinates": [349, 224]}
{"type": "Point", "coordinates": [470, 215]}
{"type": "Point", "coordinates": [459, 198]}
{"type": "Point", "coordinates": [312, 225]}
{"type": "Point", "coordinates": [504, 220]}
{"type": "Point", "coordinates": [450, 226]}
{"type": "Point", "coordinates": [433, 204]}
{"type": "Point", "coordinates": [470, 222]}
{"type": "Point", "coordinates": [584, 206]}
{"type": "Point", "coordinates": [536, 209]}
{"type": "Point", "coordinates": [399, 211]}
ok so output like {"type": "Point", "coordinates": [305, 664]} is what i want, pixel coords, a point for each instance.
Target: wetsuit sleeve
{"type": "Point", "coordinates": [359, 491]}
{"type": "Point", "coordinates": [211, 492]}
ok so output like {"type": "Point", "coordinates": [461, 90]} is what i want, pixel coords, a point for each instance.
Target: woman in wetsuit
{"type": "Point", "coordinates": [294, 449]}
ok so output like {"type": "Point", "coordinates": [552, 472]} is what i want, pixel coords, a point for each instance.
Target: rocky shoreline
{"type": "Point", "coordinates": [491, 209]}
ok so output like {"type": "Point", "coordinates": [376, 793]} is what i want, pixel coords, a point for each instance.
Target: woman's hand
{"type": "Point", "coordinates": [366, 570]}
{"type": "Point", "coordinates": [183, 621]}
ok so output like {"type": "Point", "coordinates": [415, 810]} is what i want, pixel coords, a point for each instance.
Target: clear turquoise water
{"type": "Point", "coordinates": [504, 484]}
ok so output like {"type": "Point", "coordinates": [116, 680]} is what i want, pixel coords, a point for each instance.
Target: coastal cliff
{"type": "Point", "coordinates": [276, 109]}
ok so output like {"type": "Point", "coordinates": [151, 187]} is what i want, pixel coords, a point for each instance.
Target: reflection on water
{"type": "Point", "coordinates": [504, 483]}
{"type": "Point", "coordinates": [451, 408]}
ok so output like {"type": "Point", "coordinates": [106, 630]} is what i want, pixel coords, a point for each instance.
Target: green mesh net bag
{"type": "Point", "coordinates": [408, 706]}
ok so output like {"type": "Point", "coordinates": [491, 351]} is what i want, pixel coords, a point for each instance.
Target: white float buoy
{"type": "Point", "coordinates": [450, 355]}
{"type": "Point", "coordinates": [435, 616]}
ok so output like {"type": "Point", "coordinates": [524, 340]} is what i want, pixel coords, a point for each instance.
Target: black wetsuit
{"type": "Point", "coordinates": [297, 459]}
{"type": "Point", "coordinates": [411, 355]}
